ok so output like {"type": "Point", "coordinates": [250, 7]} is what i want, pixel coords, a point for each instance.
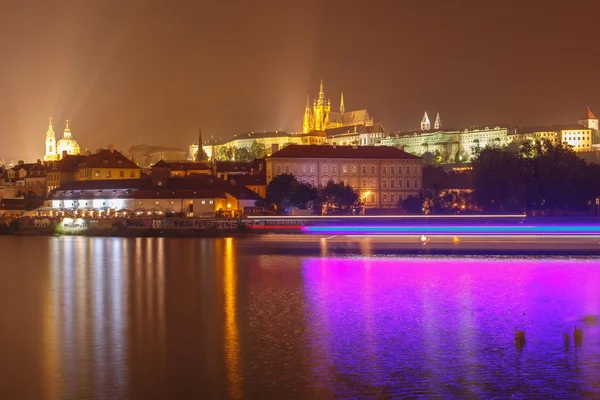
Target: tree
{"type": "Point", "coordinates": [226, 153]}
{"type": "Point", "coordinates": [284, 192]}
{"type": "Point", "coordinates": [258, 150]}
{"type": "Point", "coordinates": [338, 198]}
{"type": "Point", "coordinates": [242, 154]}
{"type": "Point", "coordinates": [412, 204]}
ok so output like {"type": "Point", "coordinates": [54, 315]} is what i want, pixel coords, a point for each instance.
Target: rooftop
{"type": "Point", "coordinates": [318, 151]}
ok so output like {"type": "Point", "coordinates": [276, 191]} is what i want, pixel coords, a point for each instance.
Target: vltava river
{"type": "Point", "coordinates": [146, 318]}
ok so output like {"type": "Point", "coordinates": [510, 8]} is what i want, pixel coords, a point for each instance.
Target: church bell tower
{"type": "Point", "coordinates": [51, 152]}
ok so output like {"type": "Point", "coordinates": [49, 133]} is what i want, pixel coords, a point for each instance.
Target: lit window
{"type": "Point", "coordinates": [108, 174]}
{"type": "Point", "coordinates": [203, 201]}
{"type": "Point", "coordinates": [385, 198]}
{"type": "Point", "coordinates": [344, 169]}
{"type": "Point", "coordinates": [97, 174]}
{"type": "Point", "coordinates": [210, 202]}
{"type": "Point", "coordinates": [172, 202]}
{"type": "Point", "coordinates": [156, 202]}
{"type": "Point", "coordinates": [354, 169]}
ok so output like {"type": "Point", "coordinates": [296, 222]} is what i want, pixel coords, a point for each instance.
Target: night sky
{"type": "Point", "coordinates": [126, 72]}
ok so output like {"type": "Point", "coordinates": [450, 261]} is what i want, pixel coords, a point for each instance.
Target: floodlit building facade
{"type": "Point", "coordinates": [382, 176]}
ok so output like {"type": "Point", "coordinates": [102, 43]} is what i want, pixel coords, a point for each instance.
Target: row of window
{"type": "Point", "coordinates": [384, 169]}
{"type": "Point", "coordinates": [392, 197]}
{"type": "Point", "coordinates": [392, 183]}
{"type": "Point", "coordinates": [157, 202]}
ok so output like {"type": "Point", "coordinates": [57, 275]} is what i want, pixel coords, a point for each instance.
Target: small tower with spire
{"type": "Point", "coordinates": [590, 121]}
{"type": "Point", "coordinates": [51, 152]}
{"type": "Point", "coordinates": [425, 123]}
{"type": "Point", "coordinates": [438, 122]}
{"type": "Point", "coordinates": [342, 108]}
{"type": "Point", "coordinates": [306, 122]}
{"type": "Point", "coordinates": [200, 155]}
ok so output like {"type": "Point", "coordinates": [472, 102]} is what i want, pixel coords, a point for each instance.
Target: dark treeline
{"type": "Point", "coordinates": [539, 178]}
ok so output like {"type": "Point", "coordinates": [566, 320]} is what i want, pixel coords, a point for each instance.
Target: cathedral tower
{"type": "Point", "coordinates": [200, 155]}
{"type": "Point", "coordinates": [51, 153]}
{"type": "Point", "coordinates": [321, 110]}
{"type": "Point", "coordinates": [342, 108]}
{"type": "Point", "coordinates": [425, 123]}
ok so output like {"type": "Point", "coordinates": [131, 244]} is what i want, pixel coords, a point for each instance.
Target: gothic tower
{"type": "Point", "coordinates": [438, 122]}
{"type": "Point", "coordinates": [321, 110]}
{"type": "Point", "coordinates": [51, 153]}
{"type": "Point", "coordinates": [342, 108]}
{"type": "Point", "coordinates": [307, 123]}
{"type": "Point", "coordinates": [425, 124]}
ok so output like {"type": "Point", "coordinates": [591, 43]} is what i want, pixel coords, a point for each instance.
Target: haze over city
{"type": "Point", "coordinates": [126, 72]}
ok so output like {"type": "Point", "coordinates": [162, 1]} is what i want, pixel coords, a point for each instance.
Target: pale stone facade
{"type": "Point", "coordinates": [381, 178]}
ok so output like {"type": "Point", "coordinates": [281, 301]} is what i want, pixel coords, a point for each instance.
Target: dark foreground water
{"type": "Point", "coordinates": [145, 318]}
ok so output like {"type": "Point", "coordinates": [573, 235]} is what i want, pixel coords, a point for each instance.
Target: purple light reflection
{"type": "Point", "coordinates": [401, 323]}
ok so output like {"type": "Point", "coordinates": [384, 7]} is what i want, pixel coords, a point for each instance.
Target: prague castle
{"type": "Point", "coordinates": [320, 117]}
{"type": "Point", "coordinates": [54, 149]}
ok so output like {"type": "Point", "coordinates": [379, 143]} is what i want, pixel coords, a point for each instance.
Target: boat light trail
{"type": "Point", "coordinates": [455, 229]}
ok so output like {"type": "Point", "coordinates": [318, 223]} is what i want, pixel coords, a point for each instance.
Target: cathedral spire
{"type": "Point", "coordinates": [322, 100]}
{"type": "Point", "coordinates": [425, 123]}
{"type": "Point", "coordinates": [438, 122]}
{"type": "Point", "coordinates": [342, 108]}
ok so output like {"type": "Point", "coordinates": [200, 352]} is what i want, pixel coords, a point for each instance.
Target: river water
{"type": "Point", "coordinates": [145, 318]}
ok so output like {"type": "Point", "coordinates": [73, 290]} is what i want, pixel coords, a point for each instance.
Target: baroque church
{"type": "Point", "coordinates": [319, 117]}
{"type": "Point", "coordinates": [56, 149]}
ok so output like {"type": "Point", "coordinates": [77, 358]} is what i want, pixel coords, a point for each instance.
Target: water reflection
{"type": "Point", "coordinates": [203, 318]}
{"type": "Point", "coordinates": [232, 351]}
{"type": "Point", "coordinates": [422, 327]}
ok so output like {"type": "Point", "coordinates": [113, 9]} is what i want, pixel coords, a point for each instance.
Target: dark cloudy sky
{"type": "Point", "coordinates": [132, 71]}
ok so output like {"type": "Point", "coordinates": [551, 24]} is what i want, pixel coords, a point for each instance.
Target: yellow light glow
{"type": "Point", "coordinates": [232, 345]}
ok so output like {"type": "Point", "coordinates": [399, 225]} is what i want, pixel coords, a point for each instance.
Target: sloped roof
{"type": "Point", "coordinates": [318, 151]}
{"type": "Point", "coordinates": [590, 114]}
{"type": "Point", "coordinates": [108, 159]}
{"type": "Point", "coordinates": [173, 188]}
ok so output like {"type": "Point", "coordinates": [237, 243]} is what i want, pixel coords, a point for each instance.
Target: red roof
{"type": "Point", "coordinates": [319, 151]}
{"type": "Point", "coordinates": [590, 115]}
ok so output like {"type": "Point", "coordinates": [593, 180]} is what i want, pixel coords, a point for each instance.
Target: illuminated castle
{"type": "Point", "coordinates": [54, 149]}
{"type": "Point", "coordinates": [320, 117]}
